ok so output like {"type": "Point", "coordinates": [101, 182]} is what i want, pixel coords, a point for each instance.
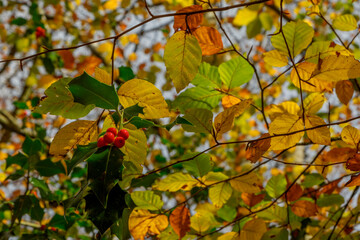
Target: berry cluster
{"type": "Point", "coordinates": [112, 136]}
{"type": "Point", "coordinates": [40, 32]}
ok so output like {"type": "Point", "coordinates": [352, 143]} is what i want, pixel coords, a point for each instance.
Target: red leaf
{"type": "Point", "coordinates": [180, 220]}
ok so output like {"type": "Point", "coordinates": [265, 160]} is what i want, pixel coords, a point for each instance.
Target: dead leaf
{"type": "Point", "coordinates": [180, 220]}
{"type": "Point", "coordinates": [209, 39]}
{"type": "Point", "coordinates": [193, 21]}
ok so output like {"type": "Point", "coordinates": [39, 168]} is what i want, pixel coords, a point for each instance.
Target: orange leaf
{"type": "Point", "coordinates": [89, 64]}
{"type": "Point", "coordinates": [344, 91]}
{"type": "Point", "coordinates": [294, 193]}
{"type": "Point", "coordinates": [339, 154]}
{"type": "Point", "coordinates": [251, 199]}
{"type": "Point", "coordinates": [258, 148]}
{"type": "Point", "coordinates": [180, 220]}
{"type": "Point", "coordinates": [353, 163]}
{"type": "Point", "coordinates": [209, 39]}
{"type": "Point", "coordinates": [329, 188]}
{"type": "Point", "coordinates": [303, 208]}
{"type": "Point", "coordinates": [68, 58]}
{"type": "Point", "coordinates": [354, 181]}
{"type": "Point", "coordinates": [193, 21]}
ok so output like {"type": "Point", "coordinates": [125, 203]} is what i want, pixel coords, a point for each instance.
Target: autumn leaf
{"type": "Point", "coordinates": [135, 148]}
{"type": "Point", "coordinates": [253, 229]}
{"type": "Point", "coordinates": [294, 193]}
{"type": "Point", "coordinates": [202, 221]}
{"type": "Point", "coordinates": [102, 76]}
{"type": "Point", "coordinates": [209, 39]}
{"type": "Point", "coordinates": [251, 199]}
{"type": "Point", "coordinates": [336, 155]}
{"type": "Point", "coordinates": [287, 107]}
{"type": "Point", "coordinates": [303, 208]}
{"type": "Point", "coordinates": [344, 91]}
{"type": "Point", "coordinates": [346, 22]}
{"type": "Point", "coordinates": [147, 200]}
{"type": "Point", "coordinates": [313, 103]}
{"type": "Point", "coordinates": [246, 183]}
{"type": "Point", "coordinates": [142, 222]}
{"type": "Point", "coordinates": [229, 101]}
{"type": "Point", "coordinates": [193, 21]}
{"type": "Point", "coordinates": [182, 58]}
{"type": "Point", "coordinates": [354, 181]}
{"type": "Point", "coordinates": [220, 193]}
{"type": "Point", "coordinates": [320, 49]}
{"type": "Point", "coordinates": [353, 163]}
{"type": "Point", "coordinates": [180, 220]}
{"type": "Point", "coordinates": [351, 136]}
{"type": "Point", "coordinates": [319, 135]}
{"type": "Point", "coordinates": [276, 58]}
{"type": "Point", "coordinates": [175, 182]}
{"type": "Point", "coordinates": [257, 148]}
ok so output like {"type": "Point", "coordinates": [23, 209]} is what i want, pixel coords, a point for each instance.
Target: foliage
{"type": "Point", "coordinates": [233, 130]}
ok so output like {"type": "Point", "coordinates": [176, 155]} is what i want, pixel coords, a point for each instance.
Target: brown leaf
{"type": "Point", "coordinates": [180, 220]}
{"type": "Point", "coordinates": [193, 20]}
{"type": "Point", "coordinates": [251, 199]}
{"type": "Point", "coordinates": [329, 188]}
{"type": "Point", "coordinates": [353, 163]}
{"type": "Point", "coordinates": [344, 91]}
{"type": "Point", "coordinates": [294, 193]}
{"type": "Point", "coordinates": [209, 39]}
{"type": "Point", "coordinates": [336, 155]}
{"type": "Point", "coordinates": [354, 181]}
{"type": "Point", "coordinates": [258, 148]}
{"type": "Point", "coordinates": [68, 59]}
{"type": "Point", "coordinates": [303, 208]}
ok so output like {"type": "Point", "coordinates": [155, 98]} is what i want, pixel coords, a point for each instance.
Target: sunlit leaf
{"type": "Point", "coordinates": [314, 102]}
{"type": "Point", "coordinates": [346, 22]}
{"type": "Point", "coordinates": [209, 40]}
{"type": "Point", "coordinates": [344, 91]}
{"type": "Point", "coordinates": [147, 200]}
{"type": "Point", "coordinates": [246, 184]}
{"type": "Point", "coordinates": [321, 49]}
{"type": "Point", "coordinates": [351, 136]}
{"type": "Point", "coordinates": [175, 182]}
{"type": "Point", "coordinates": [135, 148]}
{"type": "Point", "coordinates": [235, 72]}
{"type": "Point", "coordinates": [318, 135]}
{"type": "Point", "coordinates": [276, 58]}
{"type": "Point", "coordinates": [201, 120]}
{"type": "Point", "coordinates": [220, 193]}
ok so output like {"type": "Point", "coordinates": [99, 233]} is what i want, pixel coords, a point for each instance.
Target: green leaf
{"type": "Point", "coordinates": [178, 120]}
{"type": "Point", "coordinates": [133, 111]}
{"type": "Point", "coordinates": [81, 154]}
{"type": "Point", "coordinates": [312, 179]}
{"type": "Point", "coordinates": [48, 64]}
{"type": "Point", "coordinates": [346, 22]}
{"type": "Point", "coordinates": [59, 101]}
{"type": "Point", "coordinates": [141, 123]}
{"type": "Point", "coordinates": [47, 168]}
{"type": "Point", "coordinates": [126, 73]}
{"type": "Point", "coordinates": [19, 21]}
{"type": "Point", "coordinates": [58, 222]}
{"type": "Point", "coordinates": [147, 200]}
{"type": "Point", "coordinates": [197, 97]}
{"type": "Point", "coordinates": [235, 72]}
{"type": "Point", "coordinates": [182, 58]}
{"type": "Point", "coordinates": [198, 166]}
{"type": "Point", "coordinates": [276, 234]}
{"type": "Point", "coordinates": [298, 36]}
{"type": "Point", "coordinates": [40, 184]}
{"type": "Point", "coordinates": [87, 90]}
{"type": "Point", "coordinates": [227, 213]}
{"type": "Point", "coordinates": [274, 213]}
{"type": "Point", "coordinates": [201, 120]}
{"type": "Point", "coordinates": [130, 171]}
{"type": "Point", "coordinates": [120, 228]}
{"type": "Point", "coordinates": [220, 193]}
{"type": "Point", "coordinates": [19, 159]}
{"type": "Point", "coordinates": [253, 28]}
{"type": "Point", "coordinates": [31, 147]}
{"type": "Point", "coordinates": [28, 204]}
{"type": "Point", "coordinates": [276, 186]}
{"type": "Point", "coordinates": [326, 200]}
{"type": "Point", "coordinates": [324, 49]}
{"type": "Point", "coordinates": [208, 76]}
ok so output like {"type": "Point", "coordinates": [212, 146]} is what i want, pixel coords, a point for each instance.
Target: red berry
{"type": "Point", "coordinates": [101, 142]}
{"type": "Point", "coordinates": [109, 137]}
{"type": "Point", "coordinates": [112, 130]}
{"type": "Point", "coordinates": [119, 142]}
{"type": "Point", "coordinates": [40, 32]}
{"type": "Point", "coordinates": [53, 229]}
{"type": "Point", "coordinates": [123, 133]}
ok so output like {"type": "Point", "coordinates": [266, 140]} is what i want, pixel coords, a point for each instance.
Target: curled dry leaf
{"type": "Point", "coordinates": [180, 220]}
{"type": "Point", "coordinates": [193, 20]}
{"type": "Point", "coordinates": [258, 148]}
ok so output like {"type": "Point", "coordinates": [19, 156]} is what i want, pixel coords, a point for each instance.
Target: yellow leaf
{"type": "Point", "coordinates": [108, 123]}
{"type": "Point", "coordinates": [102, 76]}
{"type": "Point", "coordinates": [229, 236]}
{"type": "Point", "coordinates": [351, 135]}
{"type": "Point", "coordinates": [46, 80]}
{"type": "Point", "coordinates": [144, 93]}
{"type": "Point", "coordinates": [344, 91]}
{"type": "Point", "coordinates": [276, 58]}
{"type": "Point", "coordinates": [314, 102]}
{"type": "Point", "coordinates": [213, 177]}
{"type": "Point", "coordinates": [175, 182]}
{"type": "Point", "coordinates": [285, 124]}
{"type": "Point", "coordinates": [111, 4]}
{"type": "Point", "coordinates": [142, 222]}
{"type": "Point", "coordinates": [209, 40]}
{"type": "Point", "coordinates": [310, 84]}
{"type": "Point", "coordinates": [202, 221]}
{"type": "Point", "coordinates": [318, 135]}
{"type": "Point", "coordinates": [80, 132]}
{"type": "Point", "coordinates": [246, 183]}
{"type": "Point", "coordinates": [229, 101]}
{"type": "Point", "coordinates": [287, 107]}
{"type": "Point", "coordinates": [182, 58]}
{"type": "Point", "coordinates": [220, 193]}
{"type": "Point", "coordinates": [253, 229]}
{"type": "Point", "coordinates": [346, 22]}
{"type": "Point", "coordinates": [321, 49]}
{"type": "Point", "coordinates": [244, 16]}
{"type": "Point", "coordinates": [135, 148]}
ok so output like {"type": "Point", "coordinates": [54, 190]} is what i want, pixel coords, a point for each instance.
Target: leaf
{"type": "Point", "coordinates": [220, 193]}
{"type": "Point", "coordinates": [201, 120]}
{"type": "Point", "coordinates": [294, 193]}
{"type": "Point", "coordinates": [253, 229]}
{"type": "Point", "coordinates": [48, 168]}
{"type": "Point", "coordinates": [308, 83]}
{"type": "Point", "coordinates": [274, 213]}
{"type": "Point", "coordinates": [81, 154]}
{"type": "Point", "coordinates": [175, 182]}
{"type": "Point", "coordinates": [257, 148]}
{"type": "Point", "coordinates": [147, 200]}
{"type": "Point", "coordinates": [353, 163]}
{"type": "Point", "coordinates": [227, 213]}
{"type": "Point", "coordinates": [351, 136]}
{"type": "Point", "coordinates": [321, 49]}
{"type": "Point", "coordinates": [197, 97]}
{"type": "Point", "coordinates": [339, 154]}
{"type": "Point", "coordinates": [298, 36]}
{"type": "Point", "coordinates": [229, 235]}
{"type": "Point", "coordinates": [214, 177]}
{"type": "Point", "coordinates": [244, 16]}
{"type": "Point", "coordinates": [59, 101]}
{"type": "Point", "coordinates": [276, 58]}
{"type": "Point", "coordinates": [202, 221]}
{"type": "Point", "coordinates": [326, 200]}
{"type": "Point", "coordinates": [285, 124]}
{"type": "Point", "coordinates": [146, 95]}
{"type": "Point", "coordinates": [314, 102]}
{"type": "Point", "coordinates": [235, 72]}
{"type": "Point", "coordinates": [229, 101]}
{"type": "Point", "coordinates": [303, 208]}
{"type": "Point", "coordinates": [208, 76]}
{"type": "Point", "coordinates": [180, 220]}
{"type": "Point", "coordinates": [209, 40]}
{"type": "Point", "coordinates": [126, 73]}
{"type": "Point", "coordinates": [287, 107]}
{"type": "Point", "coordinates": [251, 199]}
{"type": "Point", "coordinates": [135, 148]}
{"type": "Point", "coordinates": [182, 58]}
{"type": "Point", "coordinates": [87, 90]}
{"type": "Point", "coordinates": [80, 132]}
{"type": "Point", "coordinates": [346, 22]}
{"type": "Point", "coordinates": [130, 171]}
{"type": "Point", "coordinates": [276, 234]}
{"type": "Point", "coordinates": [276, 186]}
{"type": "Point", "coordinates": [344, 91]}
{"type": "Point", "coordinates": [193, 20]}
{"type": "Point", "coordinates": [312, 179]}
{"type": "Point", "coordinates": [102, 76]}
{"type": "Point", "coordinates": [246, 183]}
{"type": "Point", "coordinates": [142, 222]}
{"type": "Point", "coordinates": [318, 135]}
{"type": "Point", "coordinates": [354, 181]}
{"type": "Point", "coordinates": [199, 166]}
